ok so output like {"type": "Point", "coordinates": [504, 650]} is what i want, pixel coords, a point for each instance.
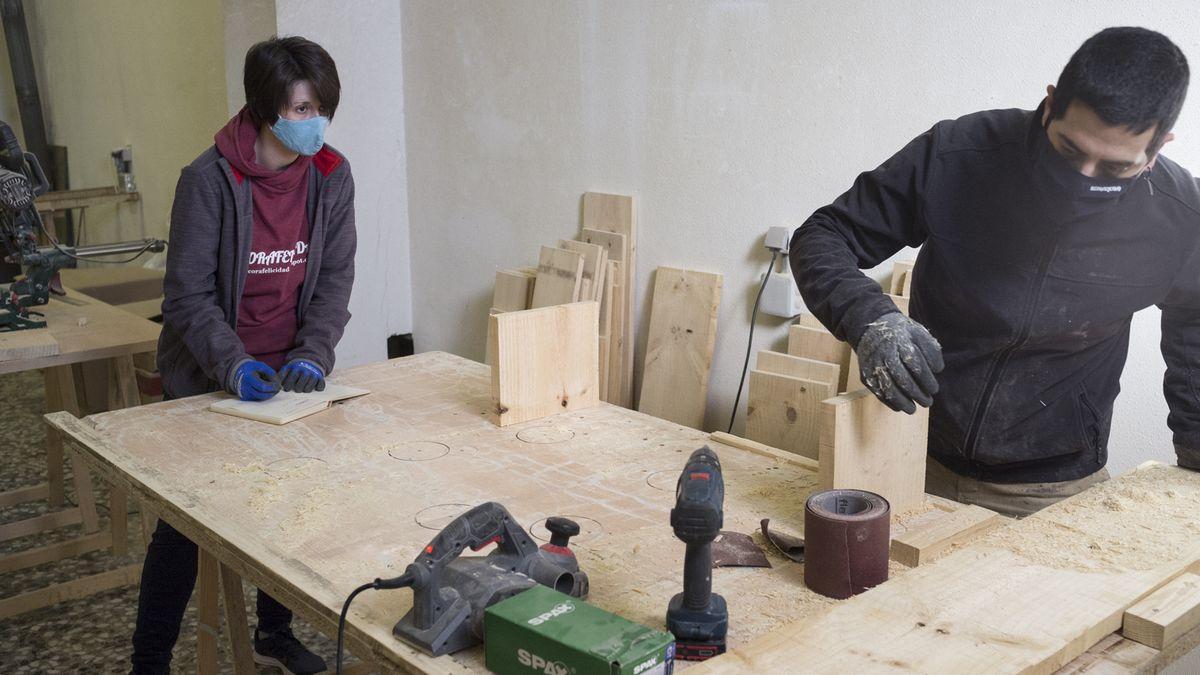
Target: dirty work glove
{"type": "Point", "coordinates": [1187, 458]}
{"type": "Point", "coordinates": [302, 375]}
{"type": "Point", "coordinates": [897, 359]}
{"type": "Point", "coordinates": [254, 381]}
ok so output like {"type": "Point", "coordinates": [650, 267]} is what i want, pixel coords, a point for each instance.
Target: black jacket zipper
{"type": "Point", "coordinates": [993, 376]}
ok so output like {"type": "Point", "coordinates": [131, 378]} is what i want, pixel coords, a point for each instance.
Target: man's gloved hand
{"type": "Point", "coordinates": [897, 359]}
{"type": "Point", "coordinates": [302, 375]}
{"type": "Point", "coordinates": [1188, 458]}
{"type": "Point", "coordinates": [254, 381]}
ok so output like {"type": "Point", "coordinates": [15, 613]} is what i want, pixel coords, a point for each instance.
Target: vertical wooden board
{"type": "Point", "coordinates": [558, 277]}
{"type": "Point", "coordinates": [616, 336]}
{"type": "Point", "coordinates": [785, 412]}
{"type": "Point", "coordinates": [919, 545]}
{"type": "Point", "coordinates": [853, 376]}
{"type": "Point", "coordinates": [867, 446]}
{"type": "Point", "coordinates": [31, 343]}
{"type": "Point", "coordinates": [513, 291]}
{"type": "Point", "coordinates": [901, 281]}
{"type": "Point", "coordinates": [820, 345]}
{"type": "Point", "coordinates": [798, 366]}
{"type": "Point", "coordinates": [679, 346]}
{"type": "Point", "coordinates": [592, 255]}
{"type": "Point", "coordinates": [615, 213]}
{"type": "Point", "coordinates": [545, 362]}
{"type": "Point", "coordinates": [1163, 616]}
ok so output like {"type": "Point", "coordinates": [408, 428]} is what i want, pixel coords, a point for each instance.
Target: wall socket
{"type": "Point", "coordinates": [781, 297]}
{"type": "Point", "coordinates": [777, 239]}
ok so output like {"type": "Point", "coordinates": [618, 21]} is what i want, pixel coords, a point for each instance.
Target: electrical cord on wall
{"type": "Point", "coordinates": [750, 341]}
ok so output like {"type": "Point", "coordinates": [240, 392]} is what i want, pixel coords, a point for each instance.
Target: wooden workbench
{"type": "Point", "coordinates": [311, 510]}
{"type": "Point", "coordinates": [85, 329]}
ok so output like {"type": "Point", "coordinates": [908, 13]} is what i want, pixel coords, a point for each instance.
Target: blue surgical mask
{"type": "Point", "coordinates": [303, 136]}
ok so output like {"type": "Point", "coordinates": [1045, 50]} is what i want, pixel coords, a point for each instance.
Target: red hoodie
{"type": "Point", "coordinates": [267, 319]}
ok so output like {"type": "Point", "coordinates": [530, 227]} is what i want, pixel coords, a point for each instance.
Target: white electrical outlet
{"type": "Point", "coordinates": [780, 297]}
{"type": "Point", "coordinates": [777, 239]}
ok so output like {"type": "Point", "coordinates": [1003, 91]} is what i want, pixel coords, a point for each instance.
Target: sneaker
{"type": "Point", "coordinates": [282, 650]}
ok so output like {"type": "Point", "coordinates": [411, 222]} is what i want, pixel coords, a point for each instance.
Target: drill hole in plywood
{"type": "Point", "coordinates": [292, 466]}
{"type": "Point", "coordinates": [545, 434]}
{"type": "Point", "coordinates": [418, 451]}
{"type": "Point", "coordinates": [590, 529]}
{"type": "Point", "coordinates": [438, 516]}
{"type": "Point", "coordinates": [664, 480]}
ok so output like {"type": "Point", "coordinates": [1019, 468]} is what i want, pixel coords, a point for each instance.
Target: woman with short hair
{"type": "Point", "coordinates": [259, 272]}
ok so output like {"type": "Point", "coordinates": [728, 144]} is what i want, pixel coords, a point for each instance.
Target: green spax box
{"type": "Point", "coordinates": [543, 631]}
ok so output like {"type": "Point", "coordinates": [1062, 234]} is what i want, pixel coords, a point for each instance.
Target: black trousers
{"type": "Point", "coordinates": [168, 578]}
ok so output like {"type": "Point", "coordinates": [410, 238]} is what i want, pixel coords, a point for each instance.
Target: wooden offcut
{"type": "Point", "coordinates": [1164, 615]}
{"type": "Point", "coordinates": [901, 283]}
{"type": "Point", "coordinates": [921, 544]}
{"type": "Point", "coordinates": [785, 412]}
{"type": "Point", "coordinates": [513, 291]}
{"type": "Point", "coordinates": [559, 275]}
{"type": "Point", "coordinates": [544, 362]}
{"type": "Point", "coordinates": [865, 445]}
{"type": "Point", "coordinates": [820, 345]}
{"type": "Point", "coordinates": [679, 347]}
{"type": "Point", "coordinates": [615, 213]}
{"type": "Point", "coordinates": [798, 366]}
{"type": "Point", "coordinates": [595, 257]}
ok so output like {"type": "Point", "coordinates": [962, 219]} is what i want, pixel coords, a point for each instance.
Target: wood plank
{"type": "Point", "coordinates": [1027, 598]}
{"type": "Point", "coordinates": [593, 256]}
{"type": "Point", "coordinates": [867, 446]}
{"type": "Point", "coordinates": [31, 343]}
{"type": "Point", "coordinates": [558, 277]}
{"type": "Point", "coordinates": [1163, 616]}
{"type": "Point", "coordinates": [208, 622]}
{"type": "Point", "coordinates": [616, 337]}
{"type": "Point", "coordinates": [785, 412]}
{"type": "Point", "coordinates": [235, 622]}
{"type": "Point", "coordinates": [763, 449]}
{"type": "Point", "coordinates": [513, 291]}
{"type": "Point", "coordinates": [923, 543]}
{"type": "Point", "coordinates": [854, 377]}
{"type": "Point", "coordinates": [54, 552]}
{"type": "Point", "coordinates": [70, 590]}
{"type": "Point", "coordinates": [545, 362]}
{"type": "Point", "coordinates": [820, 345]}
{"type": "Point", "coordinates": [607, 300]}
{"type": "Point", "coordinates": [798, 366]}
{"type": "Point", "coordinates": [25, 494]}
{"type": "Point", "coordinates": [36, 524]}
{"type": "Point", "coordinates": [901, 282]}
{"type": "Point", "coordinates": [616, 213]}
{"type": "Point", "coordinates": [679, 347]}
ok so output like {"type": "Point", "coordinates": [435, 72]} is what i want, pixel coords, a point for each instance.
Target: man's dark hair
{"type": "Point", "coordinates": [274, 65]}
{"type": "Point", "coordinates": [1131, 77]}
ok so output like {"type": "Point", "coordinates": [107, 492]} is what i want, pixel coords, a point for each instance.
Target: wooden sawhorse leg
{"type": "Point", "coordinates": [214, 580]}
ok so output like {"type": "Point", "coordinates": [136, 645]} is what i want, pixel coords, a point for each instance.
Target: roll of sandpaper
{"type": "Point", "coordinates": [846, 540]}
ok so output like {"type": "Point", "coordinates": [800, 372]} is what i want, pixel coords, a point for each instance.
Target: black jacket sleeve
{"type": "Point", "coordinates": [1181, 351]}
{"type": "Point", "coordinates": [879, 215]}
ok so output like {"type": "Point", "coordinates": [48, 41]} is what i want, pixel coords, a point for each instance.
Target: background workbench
{"type": "Point", "coordinates": [310, 510]}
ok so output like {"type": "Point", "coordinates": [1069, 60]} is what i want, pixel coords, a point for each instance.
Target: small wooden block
{"type": "Point", "coordinates": [920, 545]}
{"type": "Point", "coordinates": [901, 283]}
{"type": "Point", "coordinates": [679, 347]}
{"type": "Point", "coordinates": [820, 345]}
{"type": "Point", "coordinates": [785, 412]}
{"type": "Point", "coordinates": [513, 291]}
{"type": "Point", "coordinates": [798, 366]}
{"type": "Point", "coordinates": [593, 255]}
{"type": "Point", "coordinates": [30, 343]}
{"type": "Point", "coordinates": [867, 446]}
{"type": "Point", "coordinates": [1164, 615]}
{"type": "Point", "coordinates": [544, 361]}
{"type": "Point", "coordinates": [559, 275]}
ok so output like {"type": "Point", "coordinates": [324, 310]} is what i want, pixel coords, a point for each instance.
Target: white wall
{"type": "Point", "coordinates": [722, 118]}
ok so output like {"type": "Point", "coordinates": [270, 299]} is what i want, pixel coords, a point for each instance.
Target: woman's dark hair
{"type": "Point", "coordinates": [1131, 77]}
{"type": "Point", "coordinates": [274, 65]}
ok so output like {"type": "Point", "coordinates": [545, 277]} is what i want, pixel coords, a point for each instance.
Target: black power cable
{"type": "Point", "coordinates": [750, 342]}
{"type": "Point", "coordinates": [401, 581]}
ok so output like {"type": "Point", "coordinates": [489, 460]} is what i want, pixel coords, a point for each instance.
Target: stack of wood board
{"type": "Point", "coordinates": [598, 265]}
{"type": "Point", "coordinates": [679, 347]}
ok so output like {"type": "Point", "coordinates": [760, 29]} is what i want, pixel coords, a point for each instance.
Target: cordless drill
{"type": "Point", "coordinates": [698, 617]}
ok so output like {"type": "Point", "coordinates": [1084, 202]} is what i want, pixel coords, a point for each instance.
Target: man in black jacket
{"type": "Point", "coordinates": [1041, 233]}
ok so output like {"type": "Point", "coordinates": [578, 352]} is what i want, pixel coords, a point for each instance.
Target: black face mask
{"type": "Point", "coordinates": [1069, 192]}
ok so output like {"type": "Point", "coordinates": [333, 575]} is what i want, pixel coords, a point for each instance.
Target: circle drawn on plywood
{"type": "Point", "coordinates": [590, 529]}
{"type": "Point", "coordinates": [664, 480]}
{"type": "Point", "coordinates": [281, 467]}
{"type": "Point", "coordinates": [438, 516]}
{"type": "Point", "coordinates": [418, 451]}
{"type": "Point", "coordinates": [548, 434]}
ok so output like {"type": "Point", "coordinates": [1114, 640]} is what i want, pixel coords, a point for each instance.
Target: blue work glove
{"type": "Point", "coordinates": [302, 375]}
{"type": "Point", "coordinates": [254, 381]}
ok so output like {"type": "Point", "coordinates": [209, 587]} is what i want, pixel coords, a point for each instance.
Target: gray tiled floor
{"type": "Point", "coordinates": [91, 635]}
